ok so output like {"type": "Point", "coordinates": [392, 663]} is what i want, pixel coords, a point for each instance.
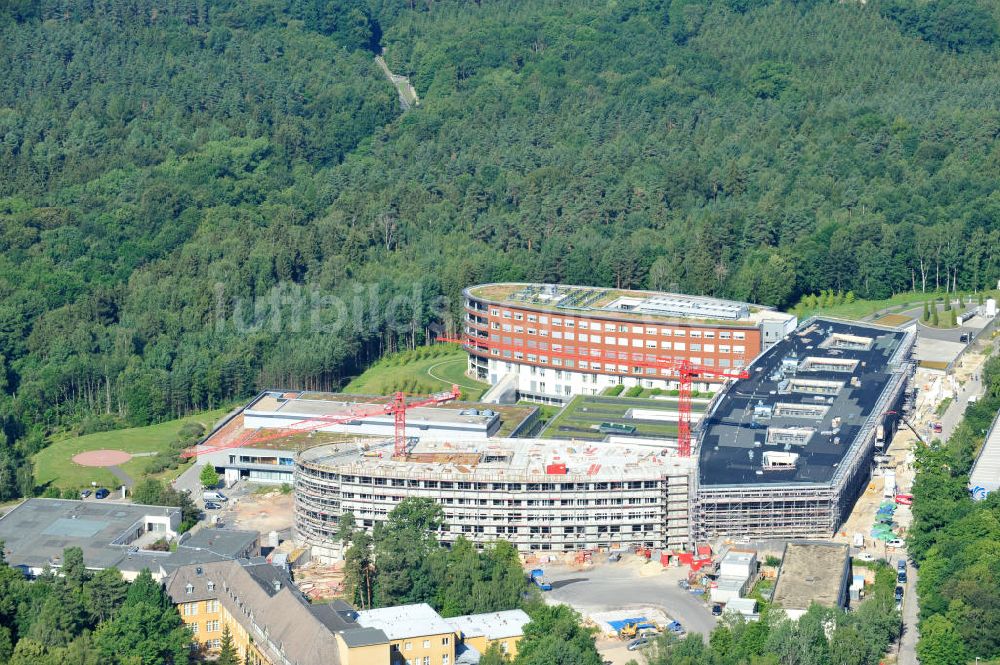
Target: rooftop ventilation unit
{"type": "Point", "coordinates": [675, 305]}
{"type": "Point", "coordinates": [821, 364]}
{"type": "Point", "coordinates": [779, 461]}
{"type": "Point", "coordinates": [794, 436]}
{"type": "Point", "coordinates": [814, 386]}
{"type": "Point", "coordinates": [811, 411]}
{"type": "Point", "coordinates": [846, 342]}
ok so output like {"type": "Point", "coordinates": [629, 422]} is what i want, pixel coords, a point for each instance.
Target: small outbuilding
{"type": "Point", "coordinates": [813, 572]}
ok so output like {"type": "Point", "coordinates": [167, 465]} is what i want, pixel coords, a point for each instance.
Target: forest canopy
{"type": "Point", "coordinates": [170, 169]}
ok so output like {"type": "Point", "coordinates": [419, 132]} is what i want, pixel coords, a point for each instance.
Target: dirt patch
{"type": "Point", "coordinates": [321, 582]}
{"type": "Point", "coordinates": [264, 512]}
{"type": "Point", "coordinates": [102, 458]}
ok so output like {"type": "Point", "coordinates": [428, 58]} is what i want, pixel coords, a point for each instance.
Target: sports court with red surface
{"type": "Point", "coordinates": [102, 458]}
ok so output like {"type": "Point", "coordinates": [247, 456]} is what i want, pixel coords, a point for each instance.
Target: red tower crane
{"type": "Point", "coordinates": [398, 407]}
{"type": "Point", "coordinates": [685, 370]}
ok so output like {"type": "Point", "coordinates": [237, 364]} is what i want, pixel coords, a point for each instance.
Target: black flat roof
{"type": "Point", "coordinates": [733, 441]}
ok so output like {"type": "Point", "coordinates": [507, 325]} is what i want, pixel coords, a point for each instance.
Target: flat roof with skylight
{"type": "Point", "coordinates": [798, 415]}
{"type": "Point", "coordinates": [601, 302]}
{"type": "Point", "coordinates": [36, 532]}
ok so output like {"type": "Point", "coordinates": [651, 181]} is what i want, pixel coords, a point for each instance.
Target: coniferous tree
{"type": "Point", "coordinates": [227, 654]}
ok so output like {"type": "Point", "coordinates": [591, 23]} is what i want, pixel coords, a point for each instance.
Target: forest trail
{"type": "Point", "coordinates": [407, 93]}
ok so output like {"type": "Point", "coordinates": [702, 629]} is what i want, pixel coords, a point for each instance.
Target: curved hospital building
{"type": "Point", "coordinates": [540, 495]}
{"type": "Point", "coordinates": [784, 450]}
{"type": "Point", "coordinates": [550, 342]}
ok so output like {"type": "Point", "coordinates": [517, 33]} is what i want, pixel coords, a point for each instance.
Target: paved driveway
{"type": "Point", "coordinates": [908, 641]}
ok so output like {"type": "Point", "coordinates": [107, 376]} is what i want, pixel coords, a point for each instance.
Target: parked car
{"type": "Point", "coordinates": [615, 556]}
{"type": "Point", "coordinates": [904, 499]}
{"type": "Point", "coordinates": [901, 577]}
{"type": "Point", "coordinates": [210, 505]}
{"type": "Point", "coordinates": [102, 493]}
{"type": "Point", "coordinates": [683, 584]}
{"type": "Point", "coordinates": [214, 496]}
{"type": "Point", "coordinates": [85, 493]}
{"type": "Point", "coordinates": [639, 643]}
{"type": "Point", "coordinates": [964, 337]}
{"type": "Point", "coordinates": [937, 427]}
{"type": "Point", "coordinates": [901, 565]}
{"type": "Point", "coordinates": [865, 556]}
{"type": "Point", "coordinates": [717, 610]}
{"type": "Point", "coordinates": [899, 594]}
{"type": "Point", "coordinates": [895, 542]}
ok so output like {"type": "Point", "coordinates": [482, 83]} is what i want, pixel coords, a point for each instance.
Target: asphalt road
{"type": "Point", "coordinates": [908, 641]}
{"type": "Point", "coordinates": [953, 416]}
{"type": "Point", "coordinates": [619, 586]}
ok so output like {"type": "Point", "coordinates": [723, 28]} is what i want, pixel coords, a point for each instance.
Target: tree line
{"type": "Point", "coordinates": [822, 636]}
{"type": "Point", "coordinates": [80, 617]}
{"type": "Point", "coordinates": [198, 199]}
{"type": "Point", "coordinates": [953, 542]}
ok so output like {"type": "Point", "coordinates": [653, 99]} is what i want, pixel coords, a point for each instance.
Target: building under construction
{"type": "Point", "coordinates": [787, 452]}
{"type": "Point", "coordinates": [540, 495]}
{"type": "Point", "coordinates": [258, 443]}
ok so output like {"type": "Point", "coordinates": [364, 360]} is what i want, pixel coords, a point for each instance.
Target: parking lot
{"type": "Point", "coordinates": [627, 585]}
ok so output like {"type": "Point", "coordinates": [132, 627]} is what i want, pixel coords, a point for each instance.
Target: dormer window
{"type": "Point", "coordinates": [211, 586]}
{"type": "Point", "coordinates": [189, 588]}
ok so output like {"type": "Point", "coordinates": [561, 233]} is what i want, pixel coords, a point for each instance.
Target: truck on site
{"type": "Point", "coordinates": [889, 490]}
{"type": "Point", "coordinates": [538, 577]}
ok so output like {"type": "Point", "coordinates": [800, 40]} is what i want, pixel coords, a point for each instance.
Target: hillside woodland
{"type": "Point", "coordinates": [181, 179]}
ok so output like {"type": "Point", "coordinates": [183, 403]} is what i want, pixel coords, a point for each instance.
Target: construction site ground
{"type": "Point", "coordinates": [264, 513]}
{"type": "Point", "coordinates": [634, 584]}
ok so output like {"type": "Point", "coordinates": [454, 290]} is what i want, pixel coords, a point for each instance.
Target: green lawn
{"type": "Point", "coordinates": [861, 308]}
{"type": "Point", "coordinates": [578, 420]}
{"type": "Point", "coordinates": [426, 369]}
{"type": "Point", "coordinates": [54, 465]}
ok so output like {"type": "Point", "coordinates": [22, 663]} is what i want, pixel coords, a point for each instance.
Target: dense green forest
{"type": "Point", "coordinates": [82, 617]}
{"type": "Point", "coordinates": [955, 540]}
{"type": "Point", "coordinates": [201, 198]}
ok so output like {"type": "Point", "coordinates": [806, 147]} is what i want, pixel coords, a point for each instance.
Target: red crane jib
{"type": "Point", "coordinates": [398, 406]}
{"type": "Point", "coordinates": [685, 370]}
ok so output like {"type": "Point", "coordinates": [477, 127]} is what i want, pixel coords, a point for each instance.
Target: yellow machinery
{"type": "Point", "coordinates": [628, 631]}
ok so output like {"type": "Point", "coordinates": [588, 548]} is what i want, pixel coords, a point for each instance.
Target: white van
{"type": "Point", "coordinates": [214, 496]}
{"type": "Point", "coordinates": [859, 540]}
